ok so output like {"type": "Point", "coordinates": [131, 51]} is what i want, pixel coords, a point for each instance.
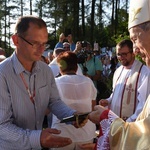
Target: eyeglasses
{"type": "Point", "coordinates": [35, 45]}
{"type": "Point", "coordinates": [123, 54]}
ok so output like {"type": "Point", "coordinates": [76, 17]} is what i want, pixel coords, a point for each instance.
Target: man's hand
{"type": "Point", "coordinates": [87, 146]}
{"type": "Point", "coordinates": [50, 139]}
{"type": "Point", "coordinates": [103, 102]}
{"type": "Point", "coordinates": [94, 116]}
{"type": "Point", "coordinates": [80, 121]}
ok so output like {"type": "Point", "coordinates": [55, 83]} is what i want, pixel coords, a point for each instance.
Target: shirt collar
{"type": "Point", "coordinates": [19, 68]}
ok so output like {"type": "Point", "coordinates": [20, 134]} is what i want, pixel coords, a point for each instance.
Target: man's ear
{"type": "Point", "coordinates": [15, 39]}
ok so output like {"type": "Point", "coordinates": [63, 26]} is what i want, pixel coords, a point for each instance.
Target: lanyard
{"type": "Point", "coordinates": [32, 96]}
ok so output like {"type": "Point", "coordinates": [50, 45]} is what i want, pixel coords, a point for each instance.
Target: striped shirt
{"type": "Point", "coordinates": [20, 119]}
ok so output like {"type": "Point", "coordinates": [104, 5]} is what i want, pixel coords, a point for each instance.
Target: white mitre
{"type": "Point", "coordinates": [139, 12]}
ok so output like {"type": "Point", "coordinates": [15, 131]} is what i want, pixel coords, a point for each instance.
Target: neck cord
{"type": "Point", "coordinates": [32, 96]}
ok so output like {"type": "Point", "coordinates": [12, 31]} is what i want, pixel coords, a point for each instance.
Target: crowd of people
{"type": "Point", "coordinates": [66, 84]}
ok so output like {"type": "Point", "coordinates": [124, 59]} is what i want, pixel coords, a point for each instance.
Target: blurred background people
{"type": "Point", "coordinates": [66, 46]}
{"type": "Point", "coordinates": [50, 56]}
{"type": "Point", "coordinates": [91, 66]}
{"type": "Point", "coordinates": [70, 40]}
{"type": "Point", "coordinates": [60, 42]}
{"type": "Point", "coordinates": [66, 38]}
{"type": "Point", "coordinates": [53, 64]}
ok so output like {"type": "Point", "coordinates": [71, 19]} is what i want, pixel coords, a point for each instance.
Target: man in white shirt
{"type": "Point", "coordinates": [129, 82]}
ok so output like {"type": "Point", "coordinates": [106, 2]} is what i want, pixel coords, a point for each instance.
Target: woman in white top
{"type": "Point", "coordinates": [78, 92]}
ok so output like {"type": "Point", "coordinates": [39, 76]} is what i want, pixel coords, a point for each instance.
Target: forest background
{"type": "Point", "coordinates": [103, 21]}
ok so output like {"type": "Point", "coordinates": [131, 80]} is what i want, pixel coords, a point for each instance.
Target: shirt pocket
{"type": "Point", "coordinates": [44, 96]}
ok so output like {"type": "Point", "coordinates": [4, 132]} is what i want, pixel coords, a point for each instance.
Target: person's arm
{"type": "Point", "coordinates": [104, 102]}
{"type": "Point", "coordinates": [50, 139]}
{"type": "Point", "coordinates": [133, 135]}
{"type": "Point", "coordinates": [117, 134]}
{"type": "Point", "coordinates": [87, 146]}
{"type": "Point", "coordinates": [100, 113]}
{"type": "Point", "coordinates": [61, 39]}
{"type": "Point", "coordinates": [103, 117]}
{"type": "Point", "coordinates": [72, 44]}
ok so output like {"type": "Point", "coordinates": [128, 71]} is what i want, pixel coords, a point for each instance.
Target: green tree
{"type": "Point", "coordinates": [103, 21]}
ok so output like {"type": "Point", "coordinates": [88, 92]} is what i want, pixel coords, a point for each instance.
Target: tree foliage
{"type": "Point", "coordinates": [103, 21]}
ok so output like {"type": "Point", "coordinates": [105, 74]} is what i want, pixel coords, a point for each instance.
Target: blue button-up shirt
{"type": "Point", "coordinates": [20, 119]}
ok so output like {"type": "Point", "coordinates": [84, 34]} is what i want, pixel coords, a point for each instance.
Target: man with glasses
{"type": "Point", "coordinates": [129, 94]}
{"type": "Point", "coordinates": [27, 89]}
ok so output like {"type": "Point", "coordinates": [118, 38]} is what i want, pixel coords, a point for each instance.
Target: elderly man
{"type": "Point", "coordinates": [115, 134]}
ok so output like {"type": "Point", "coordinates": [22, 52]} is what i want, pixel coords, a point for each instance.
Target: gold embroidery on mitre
{"type": "Point", "coordinates": [134, 13]}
